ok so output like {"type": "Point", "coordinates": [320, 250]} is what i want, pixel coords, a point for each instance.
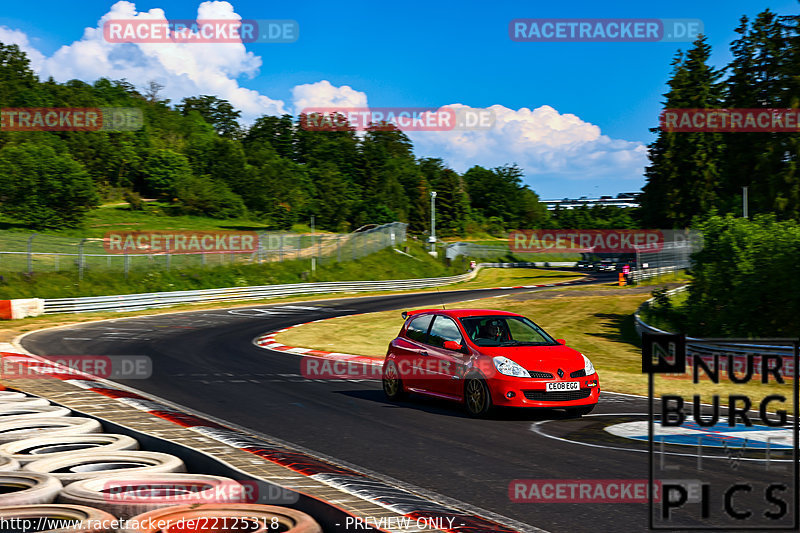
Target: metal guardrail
{"type": "Point", "coordinates": [710, 346]}
{"type": "Point", "coordinates": [640, 274]}
{"type": "Point", "coordinates": [135, 302]}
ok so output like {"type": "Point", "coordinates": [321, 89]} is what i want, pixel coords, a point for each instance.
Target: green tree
{"type": "Point", "coordinates": [216, 111]}
{"type": "Point", "coordinates": [44, 189]}
{"type": "Point", "coordinates": [201, 195]}
{"type": "Point", "coordinates": [766, 60]}
{"type": "Point", "coordinates": [684, 175]}
{"type": "Point", "coordinates": [163, 170]}
{"type": "Point", "coordinates": [452, 202]}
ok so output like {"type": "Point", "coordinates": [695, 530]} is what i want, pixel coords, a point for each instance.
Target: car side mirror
{"type": "Point", "coordinates": [452, 345]}
{"type": "Point", "coordinates": [561, 341]}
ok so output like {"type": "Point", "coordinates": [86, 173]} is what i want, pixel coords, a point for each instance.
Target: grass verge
{"type": "Point", "coordinates": [385, 264]}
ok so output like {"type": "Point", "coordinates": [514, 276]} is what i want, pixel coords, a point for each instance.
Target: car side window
{"type": "Point", "coordinates": [418, 328]}
{"type": "Point", "coordinates": [444, 329]}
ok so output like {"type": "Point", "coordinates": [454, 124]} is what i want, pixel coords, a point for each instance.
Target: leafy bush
{"type": "Point", "coordinates": [204, 196]}
{"type": "Point", "coordinates": [44, 189]}
{"type": "Point", "coordinates": [745, 280]}
{"type": "Point", "coordinates": [134, 200]}
{"type": "Point", "coordinates": [163, 170]}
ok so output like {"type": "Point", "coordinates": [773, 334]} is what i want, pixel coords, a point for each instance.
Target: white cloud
{"type": "Point", "coordinates": [185, 69]}
{"type": "Point", "coordinates": [9, 36]}
{"type": "Point", "coordinates": [549, 146]}
{"type": "Point", "coordinates": [323, 94]}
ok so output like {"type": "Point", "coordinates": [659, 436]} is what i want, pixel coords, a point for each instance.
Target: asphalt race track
{"type": "Point", "coordinates": [206, 360]}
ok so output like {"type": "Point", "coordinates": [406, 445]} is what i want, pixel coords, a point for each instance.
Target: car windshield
{"type": "Point", "coordinates": [500, 330]}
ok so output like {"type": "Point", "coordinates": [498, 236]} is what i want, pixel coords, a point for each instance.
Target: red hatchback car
{"type": "Point", "coordinates": [487, 359]}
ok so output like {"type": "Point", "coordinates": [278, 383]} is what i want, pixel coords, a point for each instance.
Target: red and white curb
{"type": "Point", "coordinates": [268, 341]}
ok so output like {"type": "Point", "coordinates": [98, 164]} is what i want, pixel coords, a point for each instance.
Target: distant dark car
{"type": "Point", "coordinates": [584, 265]}
{"type": "Point", "coordinates": [606, 265]}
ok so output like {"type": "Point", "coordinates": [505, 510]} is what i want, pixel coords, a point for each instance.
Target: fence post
{"type": "Point", "coordinates": [169, 257]}
{"type": "Point", "coordinates": [299, 245]}
{"type": "Point", "coordinates": [127, 264]}
{"type": "Point", "coordinates": [80, 259]}
{"type": "Point", "coordinates": [30, 254]}
{"type": "Point", "coordinates": [280, 254]}
{"type": "Point", "coordinates": [339, 248]}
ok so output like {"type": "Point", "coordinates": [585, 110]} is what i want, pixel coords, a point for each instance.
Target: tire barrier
{"type": "Point", "coordinates": [87, 465]}
{"type": "Point", "coordinates": [249, 517]}
{"type": "Point", "coordinates": [371, 491]}
{"type": "Point", "coordinates": [7, 414]}
{"type": "Point", "coordinates": [133, 494]}
{"type": "Point", "coordinates": [27, 401]}
{"type": "Point", "coordinates": [8, 464]}
{"type": "Point", "coordinates": [79, 517]}
{"type": "Point", "coordinates": [46, 427]}
{"type": "Point", "coordinates": [28, 450]}
{"type": "Point", "coordinates": [27, 488]}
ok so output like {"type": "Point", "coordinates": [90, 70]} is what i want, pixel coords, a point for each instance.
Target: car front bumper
{"type": "Point", "coordinates": [508, 391]}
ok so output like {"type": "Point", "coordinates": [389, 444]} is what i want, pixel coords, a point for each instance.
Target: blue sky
{"type": "Point", "coordinates": [421, 54]}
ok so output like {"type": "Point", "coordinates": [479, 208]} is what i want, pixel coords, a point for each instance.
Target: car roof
{"type": "Point", "coordinates": [460, 313]}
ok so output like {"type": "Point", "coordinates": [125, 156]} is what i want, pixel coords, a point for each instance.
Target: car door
{"type": "Point", "coordinates": [415, 352]}
{"type": "Point", "coordinates": [445, 367]}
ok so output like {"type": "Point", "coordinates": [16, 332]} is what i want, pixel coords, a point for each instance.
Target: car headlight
{"type": "Point", "coordinates": [507, 367]}
{"type": "Point", "coordinates": [588, 367]}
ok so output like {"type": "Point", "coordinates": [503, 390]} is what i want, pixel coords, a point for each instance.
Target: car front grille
{"type": "Point", "coordinates": [541, 375]}
{"type": "Point", "coordinates": [556, 396]}
{"type": "Point", "coordinates": [578, 373]}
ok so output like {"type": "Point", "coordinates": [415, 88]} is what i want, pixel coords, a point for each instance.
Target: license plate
{"type": "Point", "coordinates": [562, 385]}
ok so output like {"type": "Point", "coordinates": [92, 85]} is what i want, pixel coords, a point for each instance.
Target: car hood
{"type": "Point", "coordinates": [545, 358]}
